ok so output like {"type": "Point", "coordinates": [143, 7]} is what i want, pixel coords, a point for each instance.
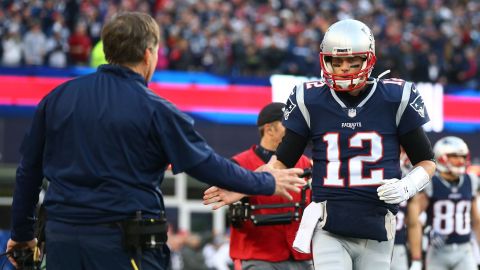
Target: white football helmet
{"type": "Point", "coordinates": [450, 145]}
{"type": "Point", "coordinates": [347, 38]}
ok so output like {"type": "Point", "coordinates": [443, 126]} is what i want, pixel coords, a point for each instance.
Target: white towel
{"type": "Point", "coordinates": [311, 215]}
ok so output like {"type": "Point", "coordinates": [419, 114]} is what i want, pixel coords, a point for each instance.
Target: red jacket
{"type": "Point", "coordinates": [271, 242]}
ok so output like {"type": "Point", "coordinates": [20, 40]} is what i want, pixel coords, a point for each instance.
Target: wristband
{"type": "Point", "coordinates": [419, 177]}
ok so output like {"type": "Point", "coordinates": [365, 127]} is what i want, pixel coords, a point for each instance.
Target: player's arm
{"type": "Point", "coordinates": [416, 206]}
{"type": "Point", "coordinates": [412, 137]}
{"type": "Point", "coordinates": [297, 129]}
{"type": "Point", "coordinates": [419, 150]}
{"type": "Point", "coordinates": [476, 218]}
{"type": "Point", "coordinates": [290, 150]}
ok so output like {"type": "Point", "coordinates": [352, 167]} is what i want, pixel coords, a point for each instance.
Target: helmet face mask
{"type": "Point", "coordinates": [452, 155]}
{"type": "Point", "coordinates": [347, 38]}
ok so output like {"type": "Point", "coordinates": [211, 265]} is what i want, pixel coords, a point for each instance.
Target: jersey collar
{"type": "Point", "coordinates": [122, 72]}
{"type": "Point", "coordinates": [342, 104]}
{"type": "Point", "coordinates": [449, 185]}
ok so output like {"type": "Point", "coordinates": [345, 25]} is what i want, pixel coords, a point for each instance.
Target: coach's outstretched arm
{"type": "Point", "coordinates": [224, 174]}
{"type": "Point", "coordinates": [219, 196]}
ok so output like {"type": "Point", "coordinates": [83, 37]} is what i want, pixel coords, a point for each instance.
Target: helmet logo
{"type": "Point", "coordinates": [342, 51]}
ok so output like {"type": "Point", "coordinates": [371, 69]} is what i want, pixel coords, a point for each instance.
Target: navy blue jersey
{"type": "Point", "coordinates": [104, 141]}
{"type": "Point", "coordinates": [354, 147]}
{"type": "Point", "coordinates": [401, 216]}
{"type": "Point", "coordinates": [449, 208]}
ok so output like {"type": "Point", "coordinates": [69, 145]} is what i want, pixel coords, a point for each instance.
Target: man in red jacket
{"type": "Point", "coordinates": [268, 247]}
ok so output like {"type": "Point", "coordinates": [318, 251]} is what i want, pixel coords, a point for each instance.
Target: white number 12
{"type": "Point", "coordinates": [355, 164]}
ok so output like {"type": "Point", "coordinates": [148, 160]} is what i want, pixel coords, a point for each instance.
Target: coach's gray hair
{"type": "Point", "coordinates": [126, 37]}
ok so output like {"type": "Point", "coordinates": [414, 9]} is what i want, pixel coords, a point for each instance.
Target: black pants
{"type": "Point", "coordinates": [82, 247]}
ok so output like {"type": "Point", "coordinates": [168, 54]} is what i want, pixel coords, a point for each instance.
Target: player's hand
{"type": "Point", "coordinates": [220, 197]}
{"type": "Point", "coordinates": [416, 265]}
{"type": "Point", "coordinates": [398, 190]}
{"type": "Point", "coordinates": [11, 245]}
{"type": "Point", "coordinates": [395, 190]}
{"type": "Point", "coordinates": [285, 179]}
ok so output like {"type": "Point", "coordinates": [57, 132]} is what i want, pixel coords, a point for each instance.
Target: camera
{"type": "Point", "coordinates": [238, 213]}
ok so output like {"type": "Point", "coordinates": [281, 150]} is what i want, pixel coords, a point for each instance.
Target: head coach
{"type": "Point", "coordinates": [103, 141]}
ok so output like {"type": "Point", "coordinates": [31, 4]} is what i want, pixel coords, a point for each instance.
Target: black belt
{"type": "Point", "coordinates": [144, 233]}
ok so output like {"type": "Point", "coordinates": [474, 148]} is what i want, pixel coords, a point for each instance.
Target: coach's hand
{"type": "Point", "coordinates": [11, 245]}
{"type": "Point", "coordinates": [285, 179]}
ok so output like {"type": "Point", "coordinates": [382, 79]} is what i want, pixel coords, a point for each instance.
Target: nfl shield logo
{"type": "Point", "coordinates": [352, 113]}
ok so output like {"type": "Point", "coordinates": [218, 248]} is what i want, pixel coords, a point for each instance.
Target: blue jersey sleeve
{"type": "Point", "coordinates": [187, 151]}
{"type": "Point", "coordinates": [415, 113]}
{"type": "Point", "coordinates": [221, 172]}
{"type": "Point", "coordinates": [183, 146]}
{"type": "Point", "coordinates": [29, 178]}
{"type": "Point", "coordinates": [293, 118]}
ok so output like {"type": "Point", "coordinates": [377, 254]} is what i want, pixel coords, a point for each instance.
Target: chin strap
{"type": "Point", "coordinates": [375, 80]}
{"type": "Point", "coordinates": [383, 74]}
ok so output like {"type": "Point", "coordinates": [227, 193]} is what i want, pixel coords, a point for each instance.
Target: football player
{"type": "Point", "coordinates": [450, 203]}
{"type": "Point", "coordinates": [356, 125]}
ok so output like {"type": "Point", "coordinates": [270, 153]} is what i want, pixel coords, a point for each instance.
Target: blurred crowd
{"type": "Point", "coordinates": [194, 251]}
{"type": "Point", "coordinates": [419, 40]}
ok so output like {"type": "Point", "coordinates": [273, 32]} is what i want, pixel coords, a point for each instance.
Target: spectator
{"type": "Point", "coordinates": [60, 27]}
{"type": "Point", "coordinates": [435, 69]}
{"type": "Point", "coordinates": [192, 253]}
{"type": "Point", "coordinates": [179, 57]}
{"type": "Point", "coordinates": [56, 49]}
{"type": "Point", "coordinates": [162, 57]}
{"type": "Point", "coordinates": [34, 45]}
{"type": "Point", "coordinates": [80, 45]}
{"type": "Point", "coordinates": [217, 254]}
{"type": "Point", "coordinates": [471, 72]}
{"type": "Point", "coordinates": [12, 48]}
{"type": "Point", "coordinates": [175, 242]}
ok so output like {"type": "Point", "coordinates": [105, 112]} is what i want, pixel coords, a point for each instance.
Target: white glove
{"type": "Point", "coordinates": [416, 265]}
{"type": "Point", "coordinates": [395, 190]}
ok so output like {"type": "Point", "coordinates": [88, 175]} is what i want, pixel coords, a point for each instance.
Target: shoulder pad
{"type": "Point", "coordinates": [475, 181]}
{"type": "Point", "coordinates": [393, 83]}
